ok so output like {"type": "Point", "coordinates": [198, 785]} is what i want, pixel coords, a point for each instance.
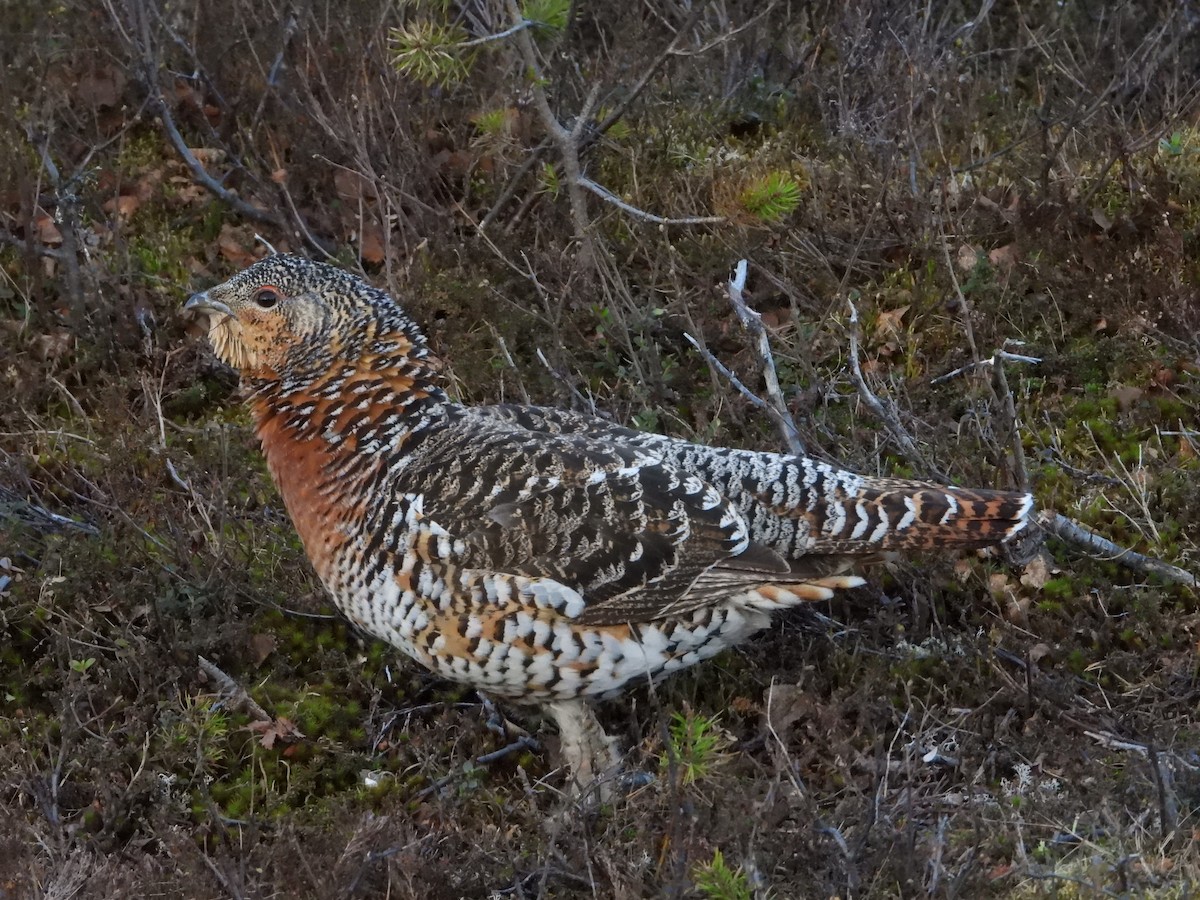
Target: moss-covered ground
{"type": "Point", "coordinates": [1024, 179]}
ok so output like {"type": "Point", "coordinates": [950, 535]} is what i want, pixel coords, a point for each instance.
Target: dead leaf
{"type": "Point", "coordinates": [281, 729]}
{"type": "Point", "coordinates": [353, 187]}
{"type": "Point", "coordinates": [889, 321]}
{"type": "Point", "coordinates": [1002, 870]}
{"type": "Point", "coordinates": [47, 232]}
{"type": "Point", "coordinates": [744, 706]}
{"type": "Point", "coordinates": [371, 244]}
{"type": "Point", "coordinates": [208, 156]}
{"type": "Point", "coordinates": [1037, 572]}
{"type": "Point", "coordinates": [1101, 218]}
{"type": "Point", "coordinates": [1000, 587]}
{"type": "Point", "coordinates": [53, 346]}
{"type": "Point", "coordinates": [1039, 652]}
{"type": "Point", "coordinates": [887, 350]}
{"type": "Point", "coordinates": [231, 247]}
{"type": "Point", "coordinates": [1164, 377]}
{"type": "Point", "coordinates": [193, 193]}
{"type": "Point", "coordinates": [785, 705]}
{"type": "Point", "coordinates": [962, 569]}
{"type": "Point", "coordinates": [776, 318]}
{"type": "Point", "coordinates": [1126, 395]}
{"type": "Point", "coordinates": [100, 87]}
{"type": "Point", "coordinates": [1004, 257]}
{"type": "Point", "coordinates": [262, 646]}
{"type": "Point", "coordinates": [124, 205]}
{"type": "Point", "coordinates": [968, 256]}
{"type": "Point", "coordinates": [1017, 611]}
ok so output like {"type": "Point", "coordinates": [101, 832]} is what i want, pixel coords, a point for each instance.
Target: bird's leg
{"type": "Point", "coordinates": [586, 749]}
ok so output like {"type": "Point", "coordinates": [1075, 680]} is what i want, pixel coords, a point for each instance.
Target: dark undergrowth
{"type": "Point", "coordinates": [970, 179]}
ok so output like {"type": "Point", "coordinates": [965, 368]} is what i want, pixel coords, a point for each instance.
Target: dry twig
{"type": "Point", "coordinates": [235, 693]}
{"type": "Point", "coordinates": [873, 403]}
{"type": "Point", "coordinates": [1077, 535]}
{"type": "Point", "coordinates": [593, 134]}
{"type": "Point", "coordinates": [522, 743]}
{"type": "Point", "coordinates": [571, 142]}
{"type": "Point", "coordinates": [777, 409]}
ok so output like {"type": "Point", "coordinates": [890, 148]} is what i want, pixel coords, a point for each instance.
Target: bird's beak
{"type": "Point", "coordinates": [204, 305]}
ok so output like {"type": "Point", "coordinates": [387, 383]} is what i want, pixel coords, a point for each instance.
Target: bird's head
{"type": "Point", "coordinates": [291, 319]}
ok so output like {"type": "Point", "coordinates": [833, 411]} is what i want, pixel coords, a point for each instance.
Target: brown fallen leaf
{"type": "Point", "coordinates": [281, 729]}
{"type": "Point", "coordinates": [353, 187]}
{"type": "Point", "coordinates": [963, 569]}
{"type": "Point", "coordinates": [124, 205]}
{"type": "Point", "coordinates": [1164, 377]}
{"type": "Point", "coordinates": [967, 257]}
{"type": "Point", "coordinates": [100, 87]}
{"type": "Point", "coordinates": [231, 247]}
{"type": "Point", "coordinates": [785, 705]}
{"type": "Point", "coordinates": [262, 646]}
{"type": "Point", "coordinates": [1037, 572]}
{"type": "Point", "coordinates": [776, 318]}
{"type": "Point", "coordinates": [1004, 257]}
{"type": "Point", "coordinates": [209, 156]}
{"type": "Point", "coordinates": [54, 345]}
{"type": "Point", "coordinates": [1017, 611]}
{"type": "Point", "coordinates": [889, 321]}
{"type": "Point", "coordinates": [45, 229]}
{"type": "Point", "coordinates": [999, 586]}
{"type": "Point", "coordinates": [371, 244]}
{"type": "Point", "coordinates": [1038, 652]}
{"type": "Point", "coordinates": [1126, 395]}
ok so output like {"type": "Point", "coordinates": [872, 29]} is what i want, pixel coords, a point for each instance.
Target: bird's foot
{"type": "Point", "coordinates": [497, 723]}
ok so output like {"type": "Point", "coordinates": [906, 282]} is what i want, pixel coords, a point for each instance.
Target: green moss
{"type": "Point", "coordinates": [1057, 589]}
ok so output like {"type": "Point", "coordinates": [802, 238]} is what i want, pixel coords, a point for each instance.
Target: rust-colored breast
{"type": "Point", "coordinates": [301, 472]}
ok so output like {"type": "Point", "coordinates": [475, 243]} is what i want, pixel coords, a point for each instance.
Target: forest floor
{"type": "Point", "coordinates": [1007, 197]}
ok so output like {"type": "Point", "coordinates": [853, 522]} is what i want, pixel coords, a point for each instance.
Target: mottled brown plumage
{"type": "Point", "coordinates": [534, 553]}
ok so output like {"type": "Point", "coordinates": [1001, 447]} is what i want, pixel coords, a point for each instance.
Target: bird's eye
{"type": "Point", "coordinates": [266, 297]}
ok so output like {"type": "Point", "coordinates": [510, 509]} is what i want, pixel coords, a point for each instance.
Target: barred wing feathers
{"type": "Point", "coordinates": [798, 506]}
{"type": "Point", "coordinates": [638, 538]}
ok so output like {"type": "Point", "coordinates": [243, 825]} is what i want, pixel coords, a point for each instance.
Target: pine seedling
{"type": "Point", "coordinates": [697, 745]}
{"type": "Point", "coordinates": [716, 881]}
{"type": "Point", "coordinates": [430, 52]}
{"type": "Point", "coordinates": [772, 197]}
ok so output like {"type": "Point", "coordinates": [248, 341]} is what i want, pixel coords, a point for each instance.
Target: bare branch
{"type": "Point", "coordinates": [498, 36]}
{"type": "Point", "coordinates": [222, 193]}
{"type": "Point", "coordinates": [592, 135]}
{"type": "Point", "coordinates": [15, 508]}
{"type": "Point", "coordinates": [233, 691]}
{"type": "Point", "coordinates": [67, 215]}
{"type": "Point", "coordinates": [522, 743]}
{"type": "Point", "coordinates": [586, 402]}
{"type": "Point", "coordinates": [609, 197]}
{"type": "Point", "coordinates": [723, 38]}
{"type": "Point", "coordinates": [570, 143]}
{"type": "Point", "coordinates": [990, 361]}
{"type": "Point", "coordinates": [1009, 408]}
{"type": "Point", "coordinates": [758, 401]}
{"type": "Point", "coordinates": [1073, 533]}
{"type": "Point", "coordinates": [752, 322]}
{"type": "Point", "coordinates": [873, 403]}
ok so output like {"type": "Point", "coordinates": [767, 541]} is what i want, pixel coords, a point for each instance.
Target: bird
{"type": "Point", "coordinates": [540, 555]}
